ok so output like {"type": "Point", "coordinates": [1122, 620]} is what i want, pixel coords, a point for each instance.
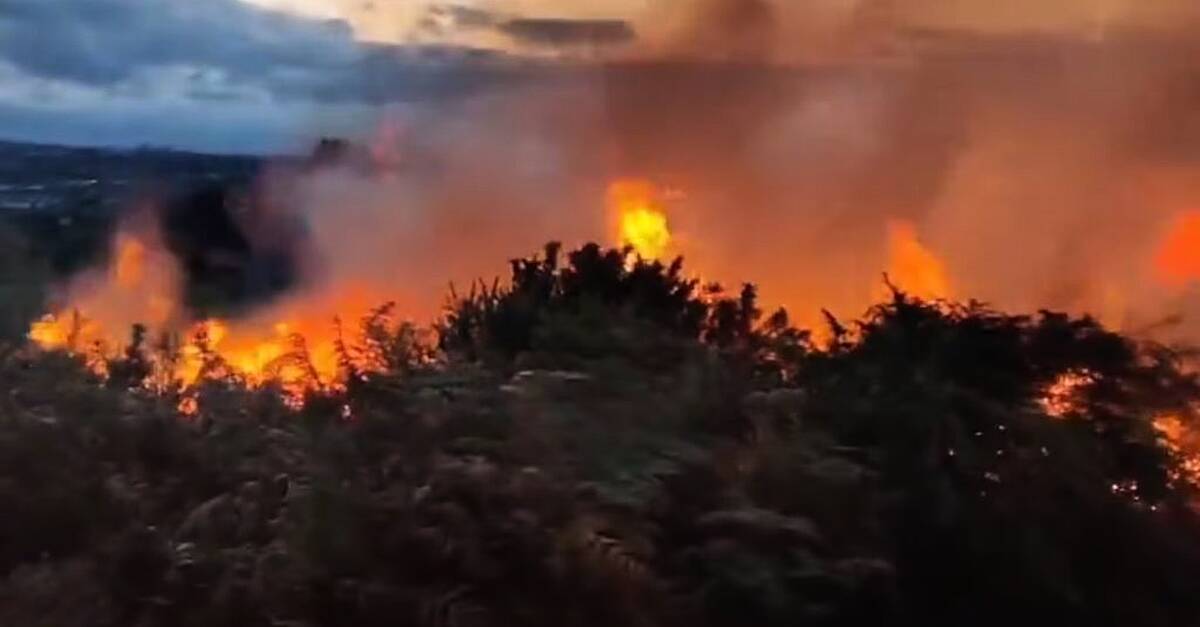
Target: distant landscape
{"type": "Point", "coordinates": [58, 205]}
{"type": "Point", "coordinates": [66, 179]}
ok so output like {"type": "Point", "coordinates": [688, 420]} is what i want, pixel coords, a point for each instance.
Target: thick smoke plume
{"type": "Point", "coordinates": [1041, 154]}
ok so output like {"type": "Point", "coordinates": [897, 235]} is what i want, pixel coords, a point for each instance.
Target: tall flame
{"type": "Point", "coordinates": [641, 221]}
{"type": "Point", "coordinates": [912, 266]}
{"type": "Point", "coordinates": [139, 285]}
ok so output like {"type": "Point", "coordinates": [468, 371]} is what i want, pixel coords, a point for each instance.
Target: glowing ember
{"type": "Point", "coordinates": [1178, 259]}
{"type": "Point", "coordinates": [189, 406]}
{"type": "Point", "coordinates": [1061, 398]}
{"type": "Point", "coordinates": [1182, 444]}
{"type": "Point", "coordinates": [642, 223]}
{"type": "Point", "coordinates": [912, 267]}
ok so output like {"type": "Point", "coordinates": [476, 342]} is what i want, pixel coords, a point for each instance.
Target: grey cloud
{"type": "Point", "coordinates": [565, 32]}
{"type": "Point", "coordinates": [462, 17]}
{"type": "Point", "coordinates": [442, 19]}
{"type": "Point", "coordinates": [99, 42]}
{"type": "Point", "coordinates": [106, 43]}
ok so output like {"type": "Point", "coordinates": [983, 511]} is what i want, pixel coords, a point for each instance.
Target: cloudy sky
{"type": "Point", "coordinates": [264, 75]}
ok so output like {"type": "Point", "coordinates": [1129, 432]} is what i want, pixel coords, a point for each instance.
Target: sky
{"type": "Point", "coordinates": [262, 75]}
{"type": "Point", "coordinates": [270, 75]}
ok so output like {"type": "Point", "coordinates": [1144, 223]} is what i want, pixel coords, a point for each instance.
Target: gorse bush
{"type": "Point", "coordinates": [613, 285]}
{"type": "Point", "coordinates": [604, 441]}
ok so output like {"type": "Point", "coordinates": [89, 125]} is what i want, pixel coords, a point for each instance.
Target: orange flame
{"type": "Point", "coordinates": [1177, 261]}
{"type": "Point", "coordinates": [294, 342]}
{"type": "Point", "coordinates": [1061, 398]}
{"type": "Point", "coordinates": [51, 332]}
{"type": "Point", "coordinates": [914, 268]}
{"type": "Point", "coordinates": [641, 221]}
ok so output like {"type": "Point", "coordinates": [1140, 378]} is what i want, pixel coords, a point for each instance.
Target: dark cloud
{"type": "Point", "coordinates": [108, 43]}
{"type": "Point", "coordinates": [463, 17]}
{"type": "Point", "coordinates": [446, 19]}
{"type": "Point", "coordinates": [564, 32]}
{"type": "Point", "coordinates": [99, 42]}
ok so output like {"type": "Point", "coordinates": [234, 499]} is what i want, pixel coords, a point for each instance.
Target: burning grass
{"type": "Point", "coordinates": [600, 441]}
{"type": "Point", "coordinates": [296, 341]}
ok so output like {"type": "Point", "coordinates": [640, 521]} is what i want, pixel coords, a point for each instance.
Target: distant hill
{"type": "Point", "coordinates": [35, 177]}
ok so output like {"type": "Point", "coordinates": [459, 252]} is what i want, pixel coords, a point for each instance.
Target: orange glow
{"type": "Point", "coordinates": [299, 353]}
{"type": "Point", "coordinates": [641, 221]}
{"type": "Point", "coordinates": [51, 332]}
{"type": "Point", "coordinates": [130, 261]}
{"type": "Point", "coordinates": [1062, 397]}
{"type": "Point", "coordinates": [912, 267]}
{"type": "Point", "coordinates": [1182, 443]}
{"type": "Point", "coordinates": [189, 406]}
{"type": "Point", "coordinates": [1178, 259]}
{"type": "Point", "coordinates": [293, 342]}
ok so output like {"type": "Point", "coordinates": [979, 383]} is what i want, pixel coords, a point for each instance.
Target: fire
{"type": "Point", "coordinates": [300, 354]}
{"type": "Point", "coordinates": [1177, 261]}
{"type": "Point", "coordinates": [1183, 444]}
{"type": "Point", "coordinates": [138, 285]}
{"type": "Point", "coordinates": [54, 332]}
{"type": "Point", "coordinates": [642, 223]}
{"type": "Point", "coordinates": [259, 357]}
{"type": "Point", "coordinates": [912, 267]}
{"type": "Point", "coordinates": [130, 261]}
{"type": "Point", "coordinates": [1061, 398]}
{"type": "Point", "coordinates": [294, 343]}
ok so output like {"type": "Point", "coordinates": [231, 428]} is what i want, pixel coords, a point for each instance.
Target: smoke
{"type": "Point", "coordinates": [234, 253]}
{"type": "Point", "coordinates": [1041, 153]}
{"type": "Point", "coordinates": [731, 29]}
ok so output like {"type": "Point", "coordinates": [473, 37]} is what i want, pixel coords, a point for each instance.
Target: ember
{"type": "Point", "coordinates": [1062, 397]}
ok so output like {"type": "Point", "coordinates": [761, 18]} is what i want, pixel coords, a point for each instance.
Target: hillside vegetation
{"type": "Point", "coordinates": [603, 441]}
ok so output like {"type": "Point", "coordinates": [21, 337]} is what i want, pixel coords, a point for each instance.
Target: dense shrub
{"type": "Point", "coordinates": [607, 442]}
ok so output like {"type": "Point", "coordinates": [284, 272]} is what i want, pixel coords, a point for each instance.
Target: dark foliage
{"type": "Point", "coordinates": [606, 442]}
{"type": "Point", "coordinates": [609, 287]}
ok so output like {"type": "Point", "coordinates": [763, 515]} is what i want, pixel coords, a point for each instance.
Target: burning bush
{"type": "Point", "coordinates": [603, 440]}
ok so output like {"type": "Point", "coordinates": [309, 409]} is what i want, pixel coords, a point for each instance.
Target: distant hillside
{"type": "Point", "coordinates": [36, 177]}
